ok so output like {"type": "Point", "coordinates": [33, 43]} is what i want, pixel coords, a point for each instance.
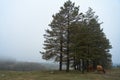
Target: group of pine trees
{"type": "Point", "coordinates": [76, 39]}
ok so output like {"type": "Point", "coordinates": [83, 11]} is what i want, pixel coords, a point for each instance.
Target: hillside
{"type": "Point", "coordinates": [26, 66]}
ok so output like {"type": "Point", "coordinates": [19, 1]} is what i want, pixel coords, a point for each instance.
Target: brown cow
{"type": "Point", "coordinates": [90, 68]}
{"type": "Point", "coordinates": [100, 68]}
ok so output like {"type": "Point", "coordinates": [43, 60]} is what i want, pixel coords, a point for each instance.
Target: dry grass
{"type": "Point", "coordinates": [56, 75]}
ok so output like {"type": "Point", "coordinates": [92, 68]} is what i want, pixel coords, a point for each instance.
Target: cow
{"type": "Point", "coordinates": [90, 68]}
{"type": "Point", "coordinates": [100, 68]}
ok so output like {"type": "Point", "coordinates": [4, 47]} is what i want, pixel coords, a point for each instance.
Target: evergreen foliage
{"type": "Point", "coordinates": [76, 39]}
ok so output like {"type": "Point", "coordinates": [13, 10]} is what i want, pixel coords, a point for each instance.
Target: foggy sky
{"type": "Point", "coordinates": [23, 23]}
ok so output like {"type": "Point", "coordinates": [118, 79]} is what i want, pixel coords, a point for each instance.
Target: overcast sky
{"type": "Point", "coordinates": [23, 23]}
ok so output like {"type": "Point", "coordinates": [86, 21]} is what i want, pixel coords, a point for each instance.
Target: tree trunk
{"type": "Point", "coordinates": [83, 66]}
{"type": "Point", "coordinates": [74, 64]}
{"type": "Point", "coordinates": [94, 65]}
{"type": "Point", "coordinates": [60, 64]}
{"type": "Point", "coordinates": [68, 40]}
{"type": "Point", "coordinates": [61, 50]}
{"type": "Point", "coordinates": [87, 65]}
{"type": "Point", "coordinates": [68, 62]}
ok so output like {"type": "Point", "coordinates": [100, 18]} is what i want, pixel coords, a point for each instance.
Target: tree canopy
{"type": "Point", "coordinates": [76, 39]}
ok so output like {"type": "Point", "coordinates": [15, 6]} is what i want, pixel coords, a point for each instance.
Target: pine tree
{"type": "Point", "coordinates": [100, 44]}
{"type": "Point", "coordinates": [71, 16]}
{"type": "Point", "coordinates": [89, 41]}
{"type": "Point", "coordinates": [76, 39]}
{"type": "Point", "coordinates": [57, 38]}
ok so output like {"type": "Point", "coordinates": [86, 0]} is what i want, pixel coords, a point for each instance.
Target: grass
{"type": "Point", "coordinates": [57, 75]}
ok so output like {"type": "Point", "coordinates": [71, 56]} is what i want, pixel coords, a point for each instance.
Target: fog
{"type": "Point", "coordinates": [23, 23]}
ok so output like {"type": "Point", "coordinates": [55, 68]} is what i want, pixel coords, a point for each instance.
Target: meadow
{"type": "Point", "coordinates": [113, 74]}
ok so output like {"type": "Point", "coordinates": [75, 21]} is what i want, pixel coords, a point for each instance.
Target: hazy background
{"type": "Point", "coordinates": [23, 23]}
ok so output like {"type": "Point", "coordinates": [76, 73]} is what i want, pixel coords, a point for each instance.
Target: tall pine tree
{"type": "Point", "coordinates": [57, 38]}
{"type": "Point", "coordinates": [89, 42]}
{"type": "Point", "coordinates": [76, 39]}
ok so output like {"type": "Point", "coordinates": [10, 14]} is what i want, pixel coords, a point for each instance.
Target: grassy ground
{"type": "Point", "coordinates": [56, 75]}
